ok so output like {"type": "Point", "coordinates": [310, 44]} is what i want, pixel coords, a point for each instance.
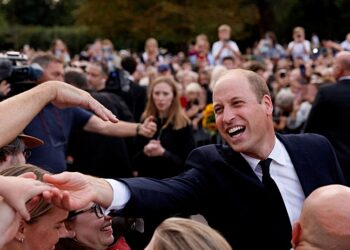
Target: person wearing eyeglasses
{"type": "Point", "coordinates": [92, 229]}
{"type": "Point", "coordinates": [18, 151]}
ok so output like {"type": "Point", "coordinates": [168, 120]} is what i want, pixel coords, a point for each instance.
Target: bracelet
{"type": "Point", "coordinates": [138, 128]}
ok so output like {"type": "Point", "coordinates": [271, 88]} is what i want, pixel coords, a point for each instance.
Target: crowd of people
{"type": "Point", "coordinates": [155, 136]}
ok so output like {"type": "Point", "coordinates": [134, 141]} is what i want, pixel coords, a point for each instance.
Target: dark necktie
{"type": "Point", "coordinates": [276, 205]}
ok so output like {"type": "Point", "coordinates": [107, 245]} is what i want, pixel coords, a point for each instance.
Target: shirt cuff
{"type": "Point", "coordinates": [121, 196]}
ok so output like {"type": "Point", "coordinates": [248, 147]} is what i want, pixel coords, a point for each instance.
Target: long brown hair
{"type": "Point", "coordinates": [177, 116]}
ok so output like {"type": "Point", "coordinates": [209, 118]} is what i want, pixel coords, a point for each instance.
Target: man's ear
{"type": "Point", "coordinates": [296, 234]}
{"type": "Point", "coordinates": [266, 100]}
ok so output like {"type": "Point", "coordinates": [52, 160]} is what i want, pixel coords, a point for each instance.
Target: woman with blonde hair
{"type": "Point", "coordinates": [45, 226]}
{"type": "Point", "coordinates": [164, 155]}
{"type": "Point", "coordinates": [185, 234]}
{"type": "Point", "coordinates": [151, 56]}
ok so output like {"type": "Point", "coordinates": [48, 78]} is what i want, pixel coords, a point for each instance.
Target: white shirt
{"type": "Point", "coordinates": [283, 173]}
{"type": "Point", "coordinates": [345, 45]}
{"type": "Point", "coordinates": [281, 170]}
{"type": "Point", "coordinates": [225, 52]}
{"type": "Point", "coordinates": [298, 49]}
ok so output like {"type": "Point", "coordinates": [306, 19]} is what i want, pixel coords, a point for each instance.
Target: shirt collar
{"type": "Point", "coordinates": [277, 155]}
{"type": "Point", "coordinates": [344, 78]}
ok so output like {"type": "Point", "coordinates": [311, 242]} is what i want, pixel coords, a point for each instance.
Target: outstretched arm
{"type": "Point", "coordinates": [122, 128]}
{"type": "Point", "coordinates": [16, 112]}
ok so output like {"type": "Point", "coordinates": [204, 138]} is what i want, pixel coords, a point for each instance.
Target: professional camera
{"type": "Point", "coordinates": [15, 70]}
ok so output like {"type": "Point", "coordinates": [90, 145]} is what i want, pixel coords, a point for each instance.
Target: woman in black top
{"type": "Point", "coordinates": [164, 155]}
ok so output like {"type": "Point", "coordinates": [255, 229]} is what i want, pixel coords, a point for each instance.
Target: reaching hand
{"type": "Point", "coordinates": [70, 96]}
{"type": "Point", "coordinates": [75, 190]}
{"type": "Point", "coordinates": [18, 191]}
{"type": "Point", "coordinates": [154, 148]}
{"type": "Point", "coordinates": [148, 128]}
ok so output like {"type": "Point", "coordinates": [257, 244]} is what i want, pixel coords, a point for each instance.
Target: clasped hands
{"type": "Point", "coordinates": [153, 148]}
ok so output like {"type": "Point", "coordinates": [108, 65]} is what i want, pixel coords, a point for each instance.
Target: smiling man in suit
{"type": "Point", "coordinates": [250, 190]}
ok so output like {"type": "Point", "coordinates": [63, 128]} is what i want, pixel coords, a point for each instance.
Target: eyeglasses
{"type": "Point", "coordinates": [94, 208]}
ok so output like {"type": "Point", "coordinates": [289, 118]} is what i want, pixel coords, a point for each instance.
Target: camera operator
{"type": "Point", "coordinates": [225, 47]}
{"type": "Point", "coordinates": [16, 75]}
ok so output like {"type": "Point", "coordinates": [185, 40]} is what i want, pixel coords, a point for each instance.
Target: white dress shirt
{"type": "Point", "coordinates": [283, 173]}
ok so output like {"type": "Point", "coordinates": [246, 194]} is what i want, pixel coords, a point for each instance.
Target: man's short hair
{"type": "Point", "coordinates": [129, 64]}
{"type": "Point", "coordinates": [258, 84]}
{"type": "Point", "coordinates": [102, 66]}
{"type": "Point", "coordinates": [76, 78]}
{"type": "Point", "coordinates": [44, 59]}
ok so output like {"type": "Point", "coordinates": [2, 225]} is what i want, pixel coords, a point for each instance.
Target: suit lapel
{"type": "Point", "coordinates": [239, 164]}
{"type": "Point", "coordinates": [300, 162]}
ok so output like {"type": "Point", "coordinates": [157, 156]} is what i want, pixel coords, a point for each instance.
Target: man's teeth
{"type": "Point", "coordinates": [235, 129]}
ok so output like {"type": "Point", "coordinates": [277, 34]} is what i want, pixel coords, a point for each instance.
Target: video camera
{"type": "Point", "coordinates": [15, 70]}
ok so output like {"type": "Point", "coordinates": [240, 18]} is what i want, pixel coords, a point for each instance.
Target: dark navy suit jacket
{"type": "Point", "coordinates": [329, 117]}
{"type": "Point", "coordinates": [221, 185]}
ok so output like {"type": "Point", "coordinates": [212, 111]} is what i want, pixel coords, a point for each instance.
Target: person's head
{"type": "Point", "coordinates": [243, 111]}
{"type": "Point", "coordinates": [129, 64]}
{"type": "Point", "coordinates": [52, 66]}
{"type": "Point", "coordinates": [341, 65]}
{"type": "Point", "coordinates": [186, 234]}
{"type": "Point", "coordinates": [324, 220]}
{"type": "Point", "coordinates": [17, 151]}
{"type": "Point", "coordinates": [348, 37]}
{"type": "Point", "coordinates": [193, 91]}
{"type": "Point", "coordinates": [298, 34]}
{"type": "Point", "coordinates": [224, 32]}
{"type": "Point", "coordinates": [93, 230]}
{"type": "Point", "coordinates": [271, 37]}
{"type": "Point", "coordinates": [164, 102]}
{"type": "Point", "coordinates": [46, 225]}
{"type": "Point", "coordinates": [284, 100]}
{"type": "Point", "coordinates": [107, 47]}
{"type": "Point", "coordinates": [202, 44]}
{"type": "Point", "coordinates": [76, 78]}
{"type": "Point", "coordinates": [97, 74]}
{"type": "Point", "coordinates": [57, 45]}
{"type": "Point", "coordinates": [216, 73]}
{"type": "Point", "coordinates": [151, 46]}
{"type": "Point", "coordinates": [229, 62]}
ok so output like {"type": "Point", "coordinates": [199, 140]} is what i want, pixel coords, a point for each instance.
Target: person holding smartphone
{"type": "Point", "coordinates": [225, 46]}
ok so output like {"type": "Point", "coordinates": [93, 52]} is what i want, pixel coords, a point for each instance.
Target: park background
{"type": "Point", "coordinates": [173, 23]}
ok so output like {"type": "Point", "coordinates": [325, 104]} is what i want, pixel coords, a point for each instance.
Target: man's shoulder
{"type": "Point", "coordinates": [305, 140]}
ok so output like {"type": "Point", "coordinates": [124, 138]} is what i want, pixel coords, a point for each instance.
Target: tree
{"type": "Point", "coordinates": [172, 22]}
{"type": "Point", "coordinates": [40, 12]}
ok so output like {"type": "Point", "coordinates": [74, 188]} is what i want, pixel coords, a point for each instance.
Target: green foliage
{"type": "Point", "coordinates": [40, 37]}
{"type": "Point", "coordinates": [174, 23]}
{"type": "Point", "coordinates": [130, 23]}
{"type": "Point", "coordinates": [40, 12]}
